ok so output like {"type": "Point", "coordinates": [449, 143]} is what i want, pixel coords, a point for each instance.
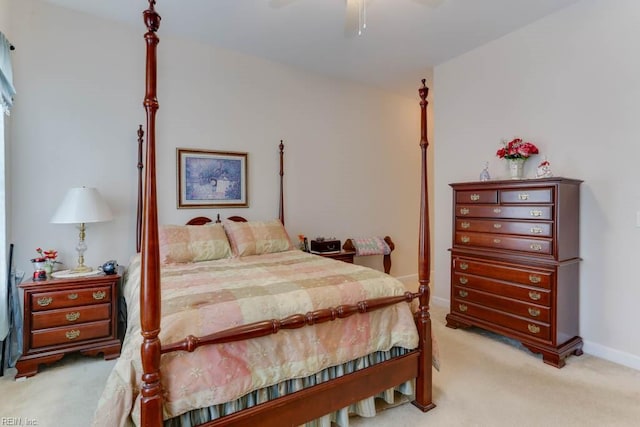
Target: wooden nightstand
{"type": "Point", "coordinates": [67, 315]}
{"type": "Point", "coordinates": [346, 256]}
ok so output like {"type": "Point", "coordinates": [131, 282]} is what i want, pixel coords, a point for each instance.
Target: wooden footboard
{"type": "Point", "coordinates": [304, 405]}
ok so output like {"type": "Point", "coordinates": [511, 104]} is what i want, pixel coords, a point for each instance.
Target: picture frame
{"type": "Point", "coordinates": [208, 179]}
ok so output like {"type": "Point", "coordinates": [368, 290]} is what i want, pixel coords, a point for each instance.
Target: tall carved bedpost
{"type": "Point", "coordinates": [424, 393]}
{"type": "Point", "coordinates": [281, 146]}
{"type": "Point", "coordinates": [151, 402]}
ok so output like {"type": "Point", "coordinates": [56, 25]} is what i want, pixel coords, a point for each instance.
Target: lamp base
{"type": "Point", "coordinates": [82, 269]}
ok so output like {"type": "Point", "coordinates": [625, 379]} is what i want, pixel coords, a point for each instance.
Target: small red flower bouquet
{"type": "Point", "coordinates": [517, 149]}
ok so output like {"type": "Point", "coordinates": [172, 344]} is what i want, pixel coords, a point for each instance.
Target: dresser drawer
{"type": "Point", "coordinates": [542, 279]}
{"type": "Point", "coordinates": [542, 195]}
{"type": "Point", "coordinates": [535, 329]}
{"type": "Point", "coordinates": [510, 290]}
{"type": "Point", "coordinates": [70, 316]}
{"type": "Point", "coordinates": [70, 298]}
{"type": "Point", "coordinates": [515, 212]}
{"type": "Point", "coordinates": [70, 334]}
{"type": "Point", "coordinates": [519, 308]}
{"type": "Point", "coordinates": [482, 196]}
{"type": "Point", "coordinates": [501, 241]}
{"type": "Point", "coordinates": [539, 229]}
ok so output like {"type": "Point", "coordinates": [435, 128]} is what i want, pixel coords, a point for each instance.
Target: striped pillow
{"type": "Point", "coordinates": [257, 237]}
{"type": "Point", "coordinates": [193, 243]}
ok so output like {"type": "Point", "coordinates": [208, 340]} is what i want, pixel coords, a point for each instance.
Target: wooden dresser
{"type": "Point", "coordinates": [515, 262]}
{"type": "Point", "coordinates": [66, 315]}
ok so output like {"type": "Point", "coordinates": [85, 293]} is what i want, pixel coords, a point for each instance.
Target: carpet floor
{"type": "Point", "coordinates": [484, 380]}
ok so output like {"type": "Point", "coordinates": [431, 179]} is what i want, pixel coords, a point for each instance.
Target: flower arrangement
{"type": "Point", "coordinates": [517, 149]}
{"type": "Point", "coordinates": [47, 257]}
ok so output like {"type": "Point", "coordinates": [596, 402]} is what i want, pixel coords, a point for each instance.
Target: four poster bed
{"type": "Point", "coordinates": [257, 333]}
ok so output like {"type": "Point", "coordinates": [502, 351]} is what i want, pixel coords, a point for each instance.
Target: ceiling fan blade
{"type": "Point", "coordinates": [430, 3]}
{"type": "Point", "coordinates": [277, 4]}
{"type": "Point", "coordinates": [352, 18]}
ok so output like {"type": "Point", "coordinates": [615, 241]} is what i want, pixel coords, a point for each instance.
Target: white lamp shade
{"type": "Point", "coordinates": [82, 205]}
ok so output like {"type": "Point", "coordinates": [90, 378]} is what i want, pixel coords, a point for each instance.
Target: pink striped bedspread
{"type": "Point", "coordinates": [206, 297]}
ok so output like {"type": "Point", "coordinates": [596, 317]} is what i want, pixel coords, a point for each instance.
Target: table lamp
{"type": "Point", "coordinates": [82, 205]}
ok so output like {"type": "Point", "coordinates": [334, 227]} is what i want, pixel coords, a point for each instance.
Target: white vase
{"type": "Point", "coordinates": [516, 168]}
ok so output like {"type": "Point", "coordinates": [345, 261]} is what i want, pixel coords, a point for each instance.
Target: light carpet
{"type": "Point", "coordinates": [484, 380]}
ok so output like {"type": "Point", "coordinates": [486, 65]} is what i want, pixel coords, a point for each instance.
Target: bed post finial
{"type": "Point", "coordinates": [424, 392]}
{"type": "Point", "coordinates": [281, 146]}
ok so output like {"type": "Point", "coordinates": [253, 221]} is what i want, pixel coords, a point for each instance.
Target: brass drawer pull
{"type": "Point", "coordinates": [534, 312]}
{"type": "Point", "coordinates": [73, 316]}
{"type": "Point", "coordinates": [523, 196]}
{"type": "Point", "coordinates": [536, 230]}
{"type": "Point", "coordinates": [463, 280]}
{"type": "Point", "coordinates": [72, 296]}
{"type": "Point", "coordinates": [462, 307]}
{"type": "Point", "coordinates": [497, 226]}
{"type": "Point", "coordinates": [535, 246]}
{"type": "Point", "coordinates": [533, 328]}
{"type": "Point", "coordinates": [475, 197]}
{"type": "Point", "coordinates": [465, 225]}
{"type": "Point", "coordinates": [465, 239]}
{"type": "Point", "coordinates": [534, 295]}
{"type": "Point", "coordinates": [464, 266]}
{"type": "Point", "coordinates": [535, 212]}
{"type": "Point", "coordinates": [462, 293]}
{"type": "Point", "coordinates": [497, 210]}
{"type": "Point", "coordinates": [73, 334]}
{"type": "Point", "coordinates": [497, 241]}
{"type": "Point", "coordinates": [99, 295]}
{"type": "Point", "coordinates": [534, 278]}
{"type": "Point", "coordinates": [44, 301]}
{"type": "Point", "coordinates": [464, 211]}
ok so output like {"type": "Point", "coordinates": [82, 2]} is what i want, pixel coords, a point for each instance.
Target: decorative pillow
{"type": "Point", "coordinates": [193, 243]}
{"type": "Point", "coordinates": [257, 237]}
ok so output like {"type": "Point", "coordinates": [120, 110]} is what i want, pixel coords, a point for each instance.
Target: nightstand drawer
{"type": "Point", "coordinates": [70, 316]}
{"type": "Point", "coordinates": [71, 334]}
{"type": "Point", "coordinates": [70, 298]}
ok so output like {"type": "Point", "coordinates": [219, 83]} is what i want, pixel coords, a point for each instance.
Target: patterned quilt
{"type": "Point", "coordinates": [206, 297]}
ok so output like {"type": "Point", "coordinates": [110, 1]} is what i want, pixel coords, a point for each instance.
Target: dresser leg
{"type": "Point", "coordinates": [29, 367]}
{"type": "Point", "coordinates": [455, 322]}
{"type": "Point", "coordinates": [556, 356]}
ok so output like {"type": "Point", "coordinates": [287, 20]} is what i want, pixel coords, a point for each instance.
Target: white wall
{"type": "Point", "coordinates": [570, 84]}
{"type": "Point", "coordinates": [351, 155]}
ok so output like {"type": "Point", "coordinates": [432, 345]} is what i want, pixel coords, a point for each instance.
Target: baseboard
{"type": "Point", "coordinates": [612, 355]}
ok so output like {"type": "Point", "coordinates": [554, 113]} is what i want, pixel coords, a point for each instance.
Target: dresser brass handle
{"type": "Point", "coordinates": [464, 266]}
{"type": "Point", "coordinates": [465, 239]}
{"type": "Point", "coordinates": [463, 280]}
{"type": "Point", "coordinates": [534, 278]}
{"type": "Point", "coordinates": [496, 240]}
{"type": "Point", "coordinates": [497, 210]}
{"type": "Point", "coordinates": [536, 230]}
{"type": "Point", "coordinates": [73, 316]}
{"type": "Point", "coordinates": [535, 212]}
{"type": "Point", "coordinates": [72, 296]}
{"type": "Point", "coordinates": [99, 295]}
{"type": "Point", "coordinates": [44, 301]}
{"type": "Point", "coordinates": [475, 197]}
{"type": "Point", "coordinates": [462, 293]}
{"type": "Point", "coordinates": [465, 225]}
{"type": "Point", "coordinates": [462, 307]}
{"type": "Point", "coordinates": [523, 196]}
{"type": "Point", "coordinates": [464, 211]}
{"type": "Point", "coordinates": [533, 328]}
{"type": "Point", "coordinates": [534, 295]}
{"type": "Point", "coordinates": [534, 312]}
{"type": "Point", "coordinates": [497, 226]}
{"type": "Point", "coordinates": [73, 334]}
{"type": "Point", "coordinates": [535, 246]}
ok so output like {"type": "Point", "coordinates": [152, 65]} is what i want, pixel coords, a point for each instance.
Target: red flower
{"type": "Point", "coordinates": [517, 149]}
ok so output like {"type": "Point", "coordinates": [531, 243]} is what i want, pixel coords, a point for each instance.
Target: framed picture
{"type": "Point", "coordinates": [211, 179]}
